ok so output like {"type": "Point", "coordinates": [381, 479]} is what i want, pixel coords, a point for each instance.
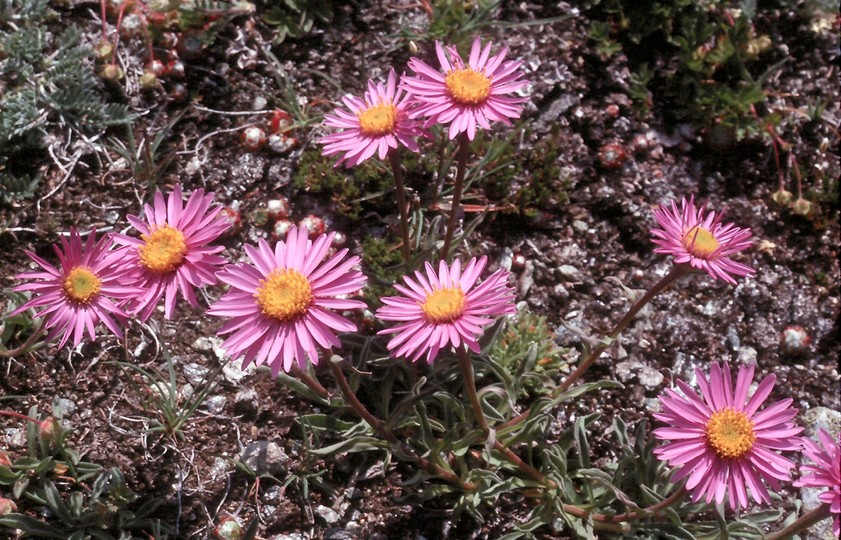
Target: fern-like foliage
{"type": "Point", "coordinates": [49, 84]}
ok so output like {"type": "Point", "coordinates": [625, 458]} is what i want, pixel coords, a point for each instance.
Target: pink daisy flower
{"type": "Point", "coordinates": [720, 441]}
{"type": "Point", "coordinates": [280, 308]}
{"type": "Point", "coordinates": [693, 236]}
{"type": "Point", "coordinates": [445, 308]}
{"type": "Point", "coordinates": [375, 124]}
{"type": "Point", "coordinates": [825, 473]}
{"type": "Point", "coordinates": [78, 295]}
{"type": "Point", "coordinates": [173, 250]}
{"type": "Point", "coordinates": [466, 96]}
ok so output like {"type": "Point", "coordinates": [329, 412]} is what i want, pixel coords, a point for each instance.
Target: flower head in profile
{"type": "Point", "coordinates": [374, 124]}
{"type": "Point", "coordinates": [824, 473]}
{"type": "Point", "coordinates": [698, 238]}
{"type": "Point", "coordinates": [281, 307]}
{"type": "Point", "coordinates": [466, 96]}
{"type": "Point", "coordinates": [80, 293]}
{"type": "Point", "coordinates": [721, 440]}
{"type": "Point", "coordinates": [173, 252]}
{"type": "Point", "coordinates": [445, 308]}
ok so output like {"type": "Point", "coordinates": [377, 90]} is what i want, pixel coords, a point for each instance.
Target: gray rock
{"type": "Point", "coordinates": [216, 404]}
{"type": "Point", "coordinates": [233, 372]}
{"type": "Point", "coordinates": [195, 373]}
{"type": "Point", "coordinates": [329, 515]}
{"type": "Point", "coordinates": [265, 457]}
{"type": "Point", "coordinates": [210, 344]}
{"type": "Point", "coordinates": [220, 468]}
{"type": "Point", "coordinates": [66, 406]}
{"type": "Point", "coordinates": [246, 402]}
{"type": "Point", "coordinates": [821, 418]}
{"type": "Point", "coordinates": [337, 533]}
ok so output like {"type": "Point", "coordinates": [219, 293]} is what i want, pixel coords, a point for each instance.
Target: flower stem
{"type": "Point", "coordinates": [14, 414]}
{"type": "Point", "coordinates": [385, 433]}
{"type": "Point", "coordinates": [311, 382]}
{"type": "Point", "coordinates": [27, 345]}
{"type": "Point", "coordinates": [458, 187]}
{"type": "Point", "coordinates": [654, 508]}
{"type": "Point", "coordinates": [400, 189]}
{"type": "Point", "coordinates": [802, 523]}
{"type": "Point", "coordinates": [523, 466]}
{"type": "Point", "coordinates": [357, 405]}
{"type": "Point", "coordinates": [677, 271]}
{"type": "Point", "coordinates": [470, 387]}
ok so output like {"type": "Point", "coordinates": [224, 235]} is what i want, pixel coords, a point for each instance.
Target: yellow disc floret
{"type": "Point", "coordinates": [468, 87]}
{"type": "Point", "coordinates": [378, 120]}
{"type": "Point", "coordinates": [284, 295]}
{"type": "Point", "coordinates": [730, 433]}
{"type": "Point", "coordinates": [81, 284]}
{"type": "Point", "coordinates": [700, 242]}
{"type": "Point", "coordinates": [164, 249]}
{"type": "Point", "coordinates": [444, 305]}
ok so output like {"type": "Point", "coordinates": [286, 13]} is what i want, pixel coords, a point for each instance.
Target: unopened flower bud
{"type": "Point", "coordinates": [612, 156]}
{"type": "Point", "coordinates": [228, 529]}
{"type": "Point", "coordinates": [111, 72]}
{"type": "Point", "coordinates": [782, 196]}
{"type": "Point", "coordinates": [148, 81]}
{"type": "Point", "coordinates": [313, 224]}
{"type": "Point", "coordinates": [253, 138]}
{"type": "Point", "coordinates": [104, 50]}
{"type": "Point", "coordinates": [7, 506]}
{"type": "Point", "coordinates": [801, 207]}
{"type": "Point", "coordinates": [278, 208]}
{"type": "Point", "coordinates": [794, 341]}
{"type": "Point", "coordinates": [234, 219]}
{"type": "Point", "coordinates": [48, 428]}
{"type": "Point", "coordinates": [280, 229]}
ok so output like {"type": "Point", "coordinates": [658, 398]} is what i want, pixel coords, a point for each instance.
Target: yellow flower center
{"type": "Point", "coordinates": [81, 284]}
{"type": "Point", "coordinates": [730, 433]}
{"type": "Point", "coordinates": [284, 295]}
{"type": "Point", "coordinates": [378, 120]}
{"type": "Point", "coordinates": [468, 87]}
{"type": "Point", "coordinates": [700, 242]}
{"type": "Point", "coordinates": [164, 249]}
{"type": "Point", "coordinates": [444, 305]}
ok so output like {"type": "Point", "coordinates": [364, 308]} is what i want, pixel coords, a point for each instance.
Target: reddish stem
{"type": "Point", "coordinates": [14, 414]}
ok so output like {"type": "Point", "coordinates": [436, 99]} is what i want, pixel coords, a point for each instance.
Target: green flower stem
{"type": "Point", "coordinates": [802, 523]}
{"type": "Point", "coordinates": [400, 189]}
{"type": "Point", "coordinates": [604, 519]}
{"type": "Point", "coordinates": [523, 466]}
{"type": "Point", "coordinates": [654, 509]}
{"type": "Point", "coordinates": [311, 382]}
{"type": "Point", "coordinates": [458, 187]}
{"type": "Point", "coordinates": [470, 387]}
{"type": "Point", "coordinates": [677, 271]}
{"type": "Point", "coordinates": [385, 433]}
{"type": "Point", "coordinates": [27, 345]}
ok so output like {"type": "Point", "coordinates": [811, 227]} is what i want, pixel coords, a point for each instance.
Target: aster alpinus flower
{"type": "Point", "coordinates": [375, 124]}
{"type": "Point", "coordinates": [281, 307]}
{"type": "Point", "coordinates": [699, 239]}
{"type": "Point", "coordinates": [445, 308]}
{"type": "Point", "coordinates": [466, 96]}
{"type": "Point", "coordinates": [173, 252]}
{"type": "Point", "coordinates": [824, 473]}
{"type": "Point", "coordinates": [80, 293]}
{"type": "Point", "coordinates": [722, 442]}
